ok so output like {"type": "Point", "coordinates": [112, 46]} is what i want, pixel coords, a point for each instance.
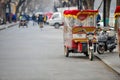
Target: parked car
{"type": "Point", "coordinates": [56, 20]}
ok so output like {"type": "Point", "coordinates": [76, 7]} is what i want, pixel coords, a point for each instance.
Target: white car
{"type": "Point", "coordinates": [56, 20]}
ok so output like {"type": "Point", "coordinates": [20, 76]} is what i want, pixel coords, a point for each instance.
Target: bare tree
{"type": "Point", "coordinates": [88, 4]}
{"type": "Point", "coordinates": [25, 5]}
{"type": "Point", "coordinates": [3, 4]}
{"type": "Point", "coordinates": [108, 3]}
{"type": "Point", "coordinates": [20, 2]}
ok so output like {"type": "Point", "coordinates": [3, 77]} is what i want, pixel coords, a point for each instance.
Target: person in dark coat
{"type": "Point", "coordinates": [40, 21]}
{"type": "Point", "coordinates": [34, 19]}
{"type": "Point", "coordinates": [98, 18]}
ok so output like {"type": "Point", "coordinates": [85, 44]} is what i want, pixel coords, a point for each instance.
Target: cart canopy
{"type": "Point", "coordinates": [117, 11]}
{"type": "Point", "coordinates": [76, 13]}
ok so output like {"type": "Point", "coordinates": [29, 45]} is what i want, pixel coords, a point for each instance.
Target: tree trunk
{"type": "Point", "coordinates": [107, 12]}
{"type": "Point", "coordinates": [85, 4]}
{"type": "Point", "coordinates": [18, 6]}
{"type": "Point", "coordinates": [88, 4]}
{"type": "Point", "coordinates": [23, 8]}
{"type": "Point", "coordinates": [3, 11]}
{"type": "Point", "coordinates": [9, 7]}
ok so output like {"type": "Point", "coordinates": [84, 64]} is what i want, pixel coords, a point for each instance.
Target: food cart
{"type": "Point", "coordinates": [80, 32]}
{"type": "Point", "coordinates": [117, 20]}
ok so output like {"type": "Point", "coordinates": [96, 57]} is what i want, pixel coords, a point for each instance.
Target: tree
{"type": "Point", "coordinates": [90, 4]}
{"type": "Point", "coordinates": [3, 4]}
{"type": "Point", "coordinates": [25, 5]}
{"type": "Point", "coordinates": [108, 3]}
{"type": "Point", "coordinates": [8, 6]}
{"type": "Point", "coordinates": [87, 4]}
{"type": "Point", "coordinates": [118, 2]}
{"type": "Point", "coordinates": [20, 2]}
{"type": "Point", "coordinates": [2, 10]}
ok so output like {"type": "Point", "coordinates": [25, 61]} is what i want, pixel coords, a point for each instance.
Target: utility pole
{"type": "Point", "coordinates": [104, 13]}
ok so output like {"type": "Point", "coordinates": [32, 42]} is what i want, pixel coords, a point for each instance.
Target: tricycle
{"type": "Point", "coordinates": [80, 32]}
{"type": "Point", "coordinates": [117, 21]}
{"type": "Point", "coordinates": [23, 22]}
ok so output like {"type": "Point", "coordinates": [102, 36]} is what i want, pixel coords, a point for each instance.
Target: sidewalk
{"type": "Point", "coordinates": [8, 25]}
{"type": "Point", "coordinates": [111, 59]}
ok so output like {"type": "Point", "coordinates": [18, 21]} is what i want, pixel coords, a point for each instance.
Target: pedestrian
{"type": "Point", "coordinates": [33, 19]}
{"type": "Point", "coordinates": [40, 21]}
{"type": "Point", "coordinates": [64, 4]}
{"type": "Point", "coordinates": [14, 18]}
{"type": "Point", "coordinates": [98, 18]}
{"type": "Point", "coordinates": [45, 19]}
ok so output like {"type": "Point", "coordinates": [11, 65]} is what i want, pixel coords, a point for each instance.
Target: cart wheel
{"type": "Point", "coordinates": [91, 55]}
{"type": "Point", "coordinates": [100, 51]}
{"type": "Point", "coordinates": [66, 51]}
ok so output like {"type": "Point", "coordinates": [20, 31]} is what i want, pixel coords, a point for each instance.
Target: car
{"type": "Point", "coordinates": [56, 20]}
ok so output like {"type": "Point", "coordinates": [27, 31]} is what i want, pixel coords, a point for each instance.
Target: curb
{"type": "Point", "coordinates": [108, 65]}
{"type": "Point", "coordinates": [7, 26]}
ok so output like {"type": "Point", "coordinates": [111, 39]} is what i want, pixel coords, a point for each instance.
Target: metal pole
{"type": "Point", "coordinates": [104, 14]}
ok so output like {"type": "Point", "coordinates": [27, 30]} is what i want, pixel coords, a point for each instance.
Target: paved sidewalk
{"type": "Point", "coordinates": [8, 25]}
{"type": "Point", "coordinates": [111, 59]}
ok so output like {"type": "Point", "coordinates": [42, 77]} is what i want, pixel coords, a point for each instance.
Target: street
{"type": "Point", "coordinates": [34, 54]}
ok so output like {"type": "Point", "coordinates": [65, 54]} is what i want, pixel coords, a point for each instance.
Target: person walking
{"type": "Point", "coordinates": [45, 19]}
{"type": "Point", "coordinates": [98, 18]}
{"type": "Point", "coordinates": [33, 19]}
{"type": "Point", "coordinates": [40, 21]}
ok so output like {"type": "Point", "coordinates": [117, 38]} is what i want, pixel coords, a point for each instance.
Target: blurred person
{"type": "Point", "coordinates": [14, 18]}
{"type": "Point", "coordinates": [40, 21]}
{"type": "Point", "coordinates": [45, 19]}
{"type": "Point", "coordinates": [34, 19]}
{"type": "Point", "coordinates": [98, 18]}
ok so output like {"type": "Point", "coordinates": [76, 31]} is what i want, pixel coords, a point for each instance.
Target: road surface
{"type": "Point", "coordinates": [32, 54]}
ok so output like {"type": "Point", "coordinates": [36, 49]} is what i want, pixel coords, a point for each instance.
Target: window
{"type": "Point", "coordinates": [55, 16]}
